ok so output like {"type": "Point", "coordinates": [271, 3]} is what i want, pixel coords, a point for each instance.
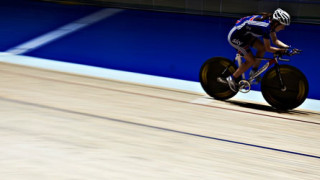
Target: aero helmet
{"type": "Point", "coordinates": [282, 16]}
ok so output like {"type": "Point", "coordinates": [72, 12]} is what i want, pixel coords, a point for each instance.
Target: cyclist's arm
{"type": "Point", "coordinates": [276, 41]}
{"type": "Point", "coordinates": [269, 48]}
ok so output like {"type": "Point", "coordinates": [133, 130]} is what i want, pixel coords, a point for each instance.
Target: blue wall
{"type": "Point", "coordinates": [163, 44]}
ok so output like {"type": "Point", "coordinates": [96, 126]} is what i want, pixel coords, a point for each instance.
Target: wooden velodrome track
{"type": "Point", "coordinates": [55, 125]}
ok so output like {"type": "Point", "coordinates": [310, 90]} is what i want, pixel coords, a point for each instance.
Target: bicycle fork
{"type": "Point", "coordinates": [283, 87]}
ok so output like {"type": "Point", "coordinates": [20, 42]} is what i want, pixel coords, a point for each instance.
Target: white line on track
{"type": "Point", "coordinates": [254, 96]}
{"type": "Point", "coordinates": [63, 31]}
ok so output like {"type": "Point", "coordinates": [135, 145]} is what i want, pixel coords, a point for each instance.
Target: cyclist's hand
{"type": "Point", "coordinates": [291, 51]}
{"type": "Point", "coordinates": [288, 52]}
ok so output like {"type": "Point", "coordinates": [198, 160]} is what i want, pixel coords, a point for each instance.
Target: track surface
{"type": "Point", "coordinates": [63, 126]}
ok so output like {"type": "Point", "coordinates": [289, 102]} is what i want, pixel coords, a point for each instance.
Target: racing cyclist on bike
{"type": "Point", "coordinates": [245, 34]}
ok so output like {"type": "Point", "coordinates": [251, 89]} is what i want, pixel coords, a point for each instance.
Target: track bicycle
{"type": "Point", "coordinates": [283, 86]}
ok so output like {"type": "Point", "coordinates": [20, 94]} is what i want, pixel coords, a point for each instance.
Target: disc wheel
{"type": "Point", "coordinates": [210, 71]}
{"type": "Point", "coordinates": [296, 84]}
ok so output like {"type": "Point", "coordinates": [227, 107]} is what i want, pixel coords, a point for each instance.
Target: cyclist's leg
{"type": "Point", "coordinates": [242, 44]}
{"type": "Point", "coordinates": [243, 68]}
{"type": "Point", "coordinates": [259, 45]}
{"type": "Point", "coordinates": [249, 60]}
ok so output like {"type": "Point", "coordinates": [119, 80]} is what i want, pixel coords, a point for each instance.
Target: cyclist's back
{"type": "Point", "coordinates": [254, 25]}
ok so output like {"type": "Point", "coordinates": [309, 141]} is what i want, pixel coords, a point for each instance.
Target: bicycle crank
{"type": "Point", "coordinates": [244, 86]}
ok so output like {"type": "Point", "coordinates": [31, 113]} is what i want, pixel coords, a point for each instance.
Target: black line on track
{"type": "Point", "coordinates": [158, 128]}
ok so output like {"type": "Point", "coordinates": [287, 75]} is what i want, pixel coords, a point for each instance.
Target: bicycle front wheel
{"type": "Point", "coordinates": [296, 84]}
{"type": "Point", "coordinates": [210, 71]}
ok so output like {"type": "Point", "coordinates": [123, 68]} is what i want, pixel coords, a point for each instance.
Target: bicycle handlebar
{"type": "Point", "coordinates": [279, 55]}
{"type": "Point", "coordinates": [294, 52]}
{"type": "Point", "coordinates": [280, 58]}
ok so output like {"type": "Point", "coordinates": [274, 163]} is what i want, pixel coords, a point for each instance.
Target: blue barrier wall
{"type": "Point", "coordinates": [163, 44]}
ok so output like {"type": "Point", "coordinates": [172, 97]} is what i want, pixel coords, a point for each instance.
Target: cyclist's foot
{"type": "Point", "coordinates": [230, 81]}
{"type": "Point", "coordinates": [232, 84]}
{"type": "Point", "coordinates": [222, 80]}
{"type": "Point", "coordinates": [257, 79]}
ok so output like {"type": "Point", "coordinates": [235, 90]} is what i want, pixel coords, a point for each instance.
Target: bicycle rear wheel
{"type": "Point", "coordinates": [296, 83]}
{"type": "Point", "coordinates": [210, 71]}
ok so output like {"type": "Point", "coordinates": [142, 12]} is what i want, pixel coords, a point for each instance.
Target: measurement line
{"type": "Point", "coordinates": [63, 31]}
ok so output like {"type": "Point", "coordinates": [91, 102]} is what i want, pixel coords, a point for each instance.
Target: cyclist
{"type": "Point", "coordinates": [245, 34]}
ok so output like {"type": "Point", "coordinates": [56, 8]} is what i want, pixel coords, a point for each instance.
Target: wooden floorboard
{"type": "Point", "coordinates": [56, 125]}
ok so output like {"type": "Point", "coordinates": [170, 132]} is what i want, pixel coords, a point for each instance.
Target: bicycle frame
{"type": "Point", "coordinates": [245, 85]}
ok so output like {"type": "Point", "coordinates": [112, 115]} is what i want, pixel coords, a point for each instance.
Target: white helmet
{"type": "Point", "coordinates": [282, 16]}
